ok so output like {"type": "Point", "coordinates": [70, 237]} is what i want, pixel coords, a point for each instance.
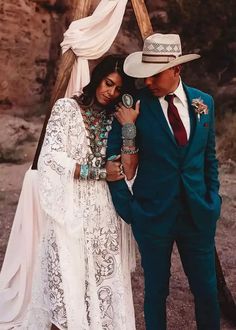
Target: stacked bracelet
{"type": "Point", "coordinates": [84, 171]}
{"type": "Point", "coordinates": [92, 172]}
{"type": "Point", "coordinates": [128, 131]}
{"type": "Point", "coordinates": [129, 151]}
{"type": "Point", "coordinates": [102, 174]}
{"type": "Point", "coordinates": [128, 143]}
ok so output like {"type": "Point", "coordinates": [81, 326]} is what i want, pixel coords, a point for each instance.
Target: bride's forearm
{"type": "Point", "coordinates": [129, 151]}
{"type": "Point", "coordinates": [130, 163]}
{"type": "Point", "coordinates": [77, 171]}
{"type": "Point", "coordinates": [88, 172]}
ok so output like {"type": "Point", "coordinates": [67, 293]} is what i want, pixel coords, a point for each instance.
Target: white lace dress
{"type": "Point", "coordinates": [82, 274]}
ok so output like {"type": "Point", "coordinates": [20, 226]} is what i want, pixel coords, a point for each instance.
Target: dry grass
{"type": "Point", "coordinates": [226, 138]}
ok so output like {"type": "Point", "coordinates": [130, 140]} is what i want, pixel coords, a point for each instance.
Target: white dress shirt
{"type": "Point", "coordinates": [181, 103]}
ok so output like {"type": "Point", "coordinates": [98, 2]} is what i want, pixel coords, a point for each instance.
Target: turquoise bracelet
{"type": "Point", "coordinates": [93, 173]}
{"type": "Point", "coordinates": [84, 171]}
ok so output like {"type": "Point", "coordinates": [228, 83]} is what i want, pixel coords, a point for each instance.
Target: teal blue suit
{"type": "Point", "coordinates": [175, 199]}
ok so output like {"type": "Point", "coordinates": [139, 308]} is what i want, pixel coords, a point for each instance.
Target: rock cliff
{"type": "Point", "coordinates": [32, 31]}
{"type": "Point", "coordinates": [30, 34]}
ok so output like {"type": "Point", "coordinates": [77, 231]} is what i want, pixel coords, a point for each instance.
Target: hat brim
{"type": "Point", "coordinates": [134, 67]}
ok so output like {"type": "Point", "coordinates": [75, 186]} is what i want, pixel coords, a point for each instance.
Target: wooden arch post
{"type": "Point", "coordinates": [142, 18]}
{"type": "Point", "coordinates": [80, 9]}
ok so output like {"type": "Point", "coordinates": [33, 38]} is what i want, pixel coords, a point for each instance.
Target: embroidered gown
{"type": "Point", "coordinates": [82, 273]}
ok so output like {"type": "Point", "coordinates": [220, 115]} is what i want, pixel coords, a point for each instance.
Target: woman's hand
{"type": "Point", "coordinates": [127, 115]}
{"type": "Point", "coordinates": [114, 169]}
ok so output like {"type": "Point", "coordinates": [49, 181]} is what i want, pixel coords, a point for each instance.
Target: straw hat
{"type": "Point", "coordinates": [160, 52]}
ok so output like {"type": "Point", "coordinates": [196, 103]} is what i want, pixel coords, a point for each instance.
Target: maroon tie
{"type": "Point", "coordinates": [175, 121]}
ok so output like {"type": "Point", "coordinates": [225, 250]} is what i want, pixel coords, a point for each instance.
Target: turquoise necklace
{"type": "Point", "coordinates": [98, 124]}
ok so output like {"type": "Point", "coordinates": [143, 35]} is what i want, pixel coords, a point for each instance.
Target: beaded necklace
{"type": "Point", "coordinates": [97, 124]}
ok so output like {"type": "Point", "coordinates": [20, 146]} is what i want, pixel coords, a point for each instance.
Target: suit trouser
{"type": "Point", "coordinates": [198, 259]}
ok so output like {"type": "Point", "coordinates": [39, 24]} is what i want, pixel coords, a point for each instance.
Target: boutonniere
{"type": "Point", "coordinates": [200, 107]}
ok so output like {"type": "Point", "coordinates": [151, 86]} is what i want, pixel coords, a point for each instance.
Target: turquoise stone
{"type": "Point", "coordinates": [98, 125]}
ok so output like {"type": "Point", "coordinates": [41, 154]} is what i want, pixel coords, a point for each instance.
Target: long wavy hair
{"type": "Point", "coordinates": [108, 65]}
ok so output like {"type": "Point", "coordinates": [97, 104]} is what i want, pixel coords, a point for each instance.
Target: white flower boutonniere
{"type": "Point", "coordinates": [200, 107]}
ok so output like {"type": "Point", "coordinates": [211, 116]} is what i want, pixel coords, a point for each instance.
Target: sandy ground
{"type": "Point", "coordinates": [180, 302]}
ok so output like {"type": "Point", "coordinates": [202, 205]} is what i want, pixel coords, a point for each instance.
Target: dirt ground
{"type": "Point", "coordinates": [180, 302]}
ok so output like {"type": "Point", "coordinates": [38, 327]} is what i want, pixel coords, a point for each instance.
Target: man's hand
{"type": "Point", "coordinates": [127, 115]}
{"type": "Point", "coordinates": [114, 169]}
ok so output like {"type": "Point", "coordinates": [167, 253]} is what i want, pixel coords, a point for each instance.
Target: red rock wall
{"type": "Point", "coordinates": [31, 32]}
{"type": "Point", "coordinates": [29, 36]}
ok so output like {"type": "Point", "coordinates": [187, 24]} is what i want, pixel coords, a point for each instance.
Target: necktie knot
{"type": "Point", "coordinates": [170, 98]}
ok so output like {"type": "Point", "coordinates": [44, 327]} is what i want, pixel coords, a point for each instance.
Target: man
{"type": "Point", "coordinates": [175, 192]}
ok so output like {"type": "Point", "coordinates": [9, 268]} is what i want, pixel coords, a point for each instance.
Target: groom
{"type": "Point", "coordinates": [175, 192]}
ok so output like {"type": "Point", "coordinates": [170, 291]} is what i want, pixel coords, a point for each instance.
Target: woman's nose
{"type": "Point", "coordinates": [112, 90]}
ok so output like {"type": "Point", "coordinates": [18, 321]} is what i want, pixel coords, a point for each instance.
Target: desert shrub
{"type": "Point", "coordinates": [226, 137]}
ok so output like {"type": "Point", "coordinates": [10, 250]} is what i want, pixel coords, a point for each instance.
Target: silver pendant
{"type": "Point", "coordinates": [127, 100]}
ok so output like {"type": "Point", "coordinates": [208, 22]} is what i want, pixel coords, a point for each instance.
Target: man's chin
{"type": "Point", "coordinates": [155, 93]}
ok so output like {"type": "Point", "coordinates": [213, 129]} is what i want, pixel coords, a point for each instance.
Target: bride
{"type": "Point", "coordinates": [82, 272]}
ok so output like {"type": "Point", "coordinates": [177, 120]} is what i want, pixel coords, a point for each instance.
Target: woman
{"type": "Point", "coordinates": [82, 275]}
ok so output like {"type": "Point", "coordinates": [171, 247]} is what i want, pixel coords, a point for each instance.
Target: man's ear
{"type": "Point", "coordinates": [177, 69]}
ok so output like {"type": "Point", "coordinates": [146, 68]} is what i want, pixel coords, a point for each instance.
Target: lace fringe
{"type": "Point", "coordinates": [128, 247]}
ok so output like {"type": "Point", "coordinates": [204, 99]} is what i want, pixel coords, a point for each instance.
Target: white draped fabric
{"type": "Point", "coordinates": [89, 38]}
{"type": "Point", "coordinates": [17, 270]}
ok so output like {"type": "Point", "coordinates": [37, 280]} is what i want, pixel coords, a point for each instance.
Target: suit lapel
{"type": "Point", "coordinates": [195, 124]}
{"type": "Point", "coordinates": [157, 111]}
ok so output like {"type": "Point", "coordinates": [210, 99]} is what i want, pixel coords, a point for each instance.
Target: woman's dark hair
{"type": "Point", "coordinates": [109, 64]}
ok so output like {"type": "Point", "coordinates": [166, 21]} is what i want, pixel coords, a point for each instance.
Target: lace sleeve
{"type": "Point", "coordinates": [64, 145]}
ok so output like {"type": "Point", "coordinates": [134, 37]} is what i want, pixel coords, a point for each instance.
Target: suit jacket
{"type": "Point", "coordinates": [165, 172]}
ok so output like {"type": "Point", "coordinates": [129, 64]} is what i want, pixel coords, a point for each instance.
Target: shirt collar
{"type": "Point", "coordinates": [179, 93]}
